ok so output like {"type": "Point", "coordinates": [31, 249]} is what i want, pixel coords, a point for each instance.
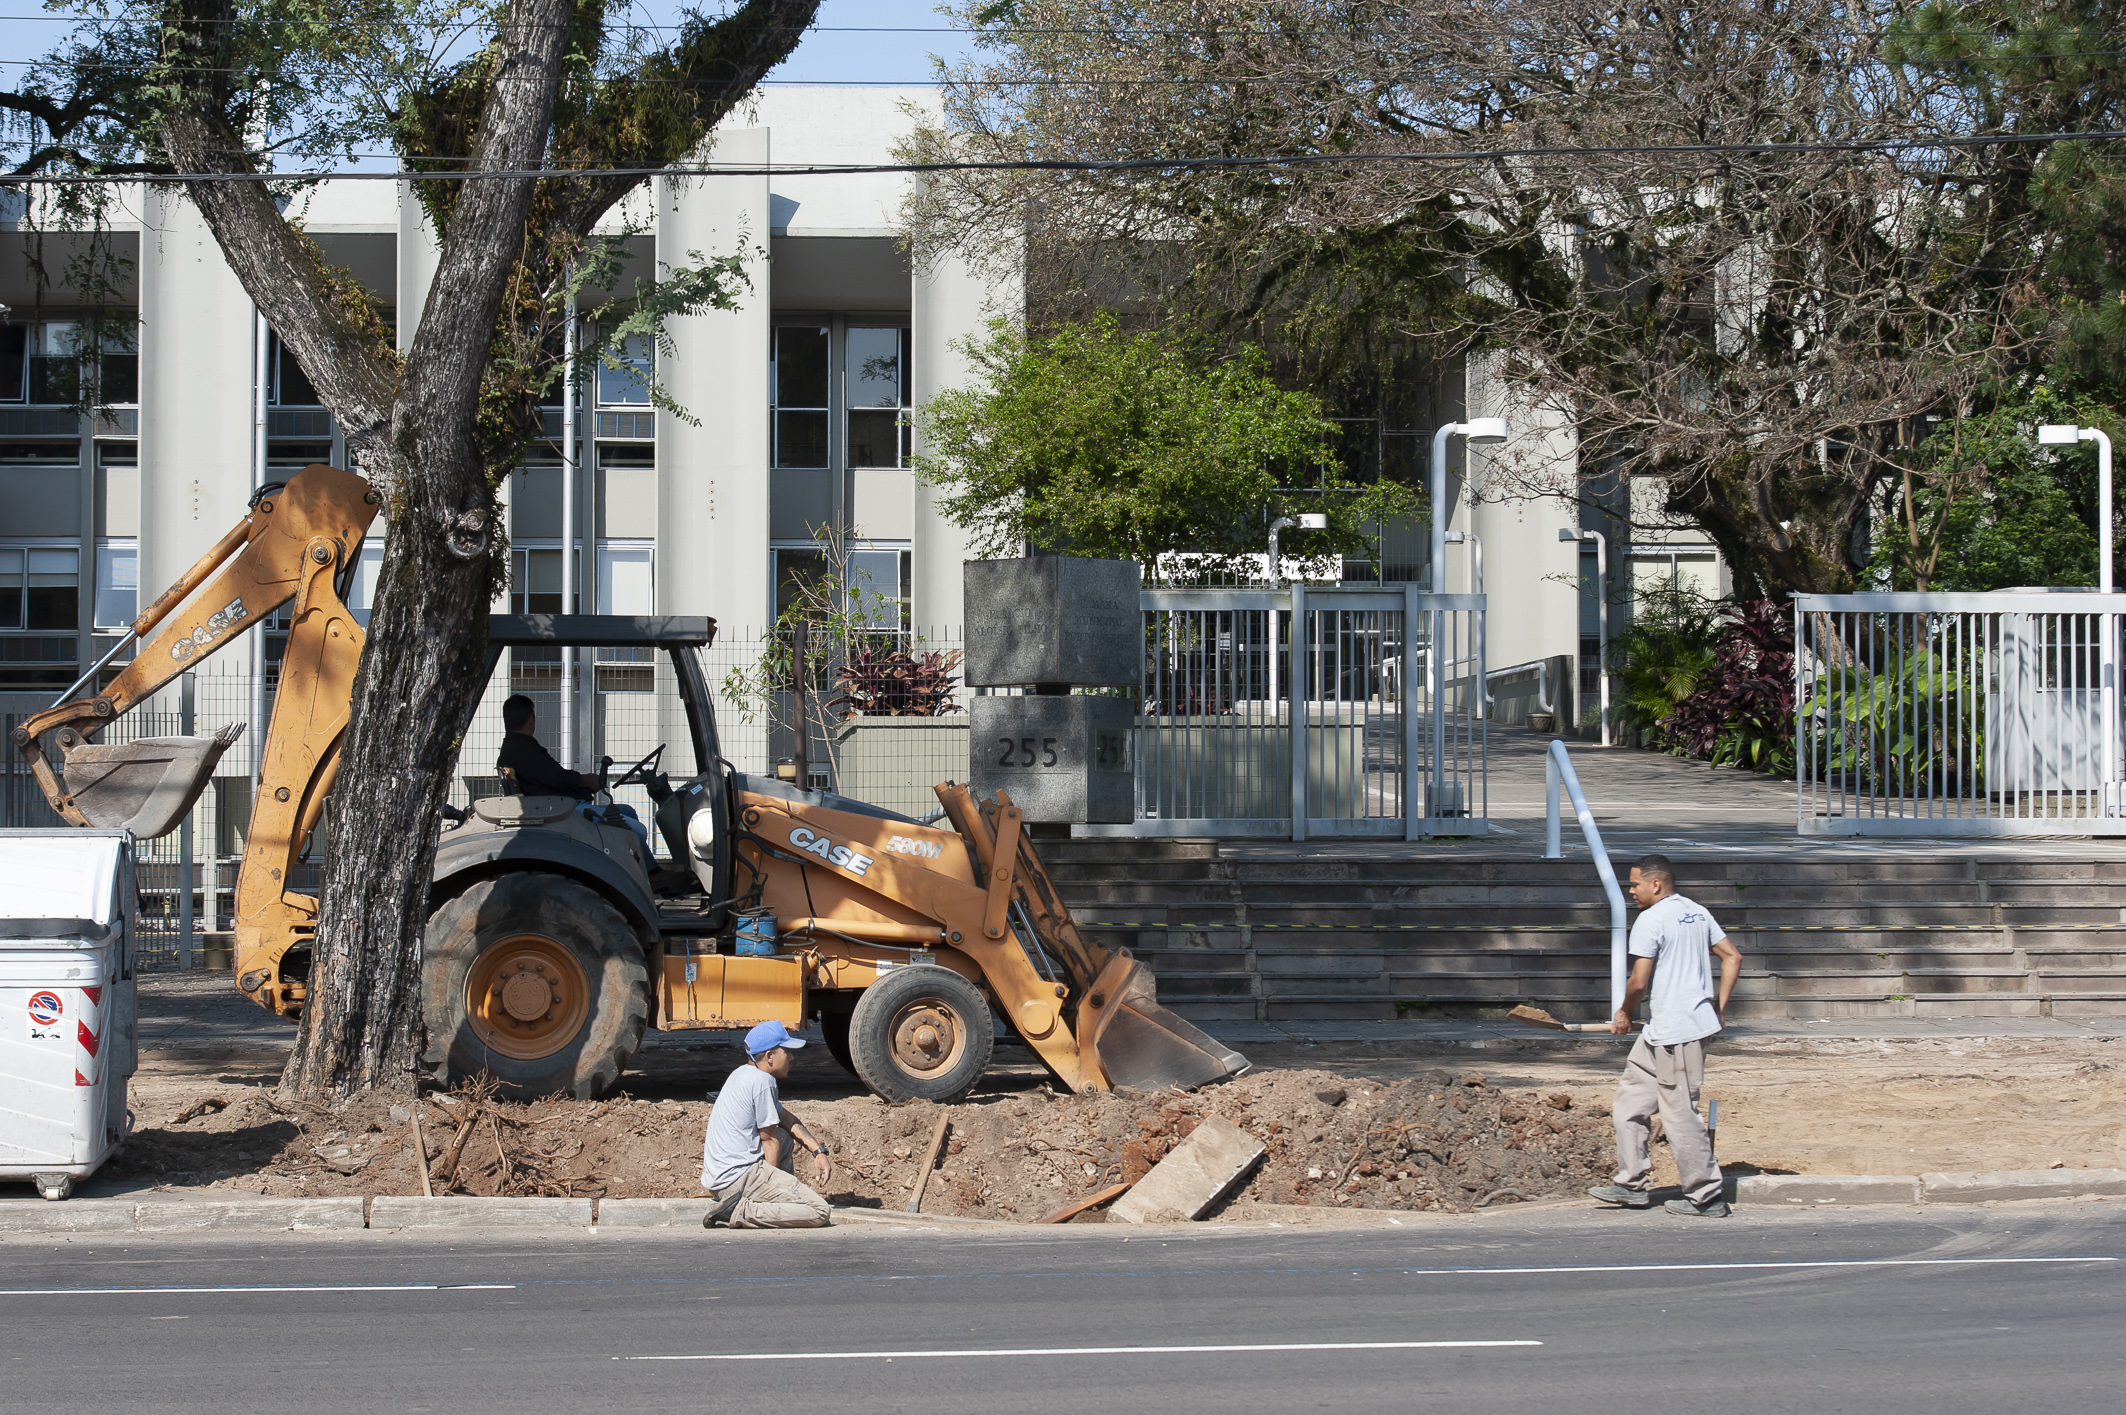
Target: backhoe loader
{"type": "Point", "coordinates": [552, 945]}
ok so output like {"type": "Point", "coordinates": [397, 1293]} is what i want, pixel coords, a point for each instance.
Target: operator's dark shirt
{"type": "Point", "coordinates": [537, 773]}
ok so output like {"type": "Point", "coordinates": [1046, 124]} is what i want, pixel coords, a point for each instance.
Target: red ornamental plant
{"type": "Point", "coordinates": [1742, 713]}
{"type": "Point", "coordinates": [877, 682]}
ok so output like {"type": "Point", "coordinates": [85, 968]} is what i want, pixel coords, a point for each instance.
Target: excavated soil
{"type": "Point", "coordinates": [1434, 1141]}
{"type": "Point", "coordinates": [1406, 1134]}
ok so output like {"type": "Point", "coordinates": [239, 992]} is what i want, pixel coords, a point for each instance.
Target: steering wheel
{"type": "Point", "coordinates": [641, 771]}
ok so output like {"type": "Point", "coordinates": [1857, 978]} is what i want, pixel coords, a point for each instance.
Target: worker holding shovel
{"type": "Point", "coordinates": [1673, 943]}
{"type": "Point", "coordinates": [746, 1157]}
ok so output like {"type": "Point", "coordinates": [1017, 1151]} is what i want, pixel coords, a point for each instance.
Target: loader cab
{"type": "Point", "coordinates": [690, 818]}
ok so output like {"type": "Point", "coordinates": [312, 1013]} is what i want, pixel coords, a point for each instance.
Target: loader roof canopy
{"type": "Point", "coordinates": [601, 631]}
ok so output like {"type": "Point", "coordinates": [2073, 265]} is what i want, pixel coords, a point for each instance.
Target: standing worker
{"type": "Point", "coordinates": [746, 1157]}
{"type": "Point", "coordinates": [1673, 944]}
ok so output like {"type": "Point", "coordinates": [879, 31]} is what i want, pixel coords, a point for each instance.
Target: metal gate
{"type": "Point", "coordinates": [1311, 711]}
{"type": "Point", "coordinates": [1958, 714]}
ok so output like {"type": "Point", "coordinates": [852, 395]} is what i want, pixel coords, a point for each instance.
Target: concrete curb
{"type": "Point", "coordinates": [652, 1213]}
{"type": "Point", "coordinates": [261, 1214]}
{"type": "Point", "coordinates": [1827, 1189]}
{"type": "Point", "coordinates": [413, 1211]}
{"type": "Point", "coordinates": [1979, 1188]}
{"type": "Point", "coordinates": [254, 1215]}
{"type": "Point", "coordinates": [251, 1215]}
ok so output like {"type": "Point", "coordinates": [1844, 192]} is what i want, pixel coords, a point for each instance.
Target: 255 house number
{"type": "Point", "coordinates": [1022, 752]}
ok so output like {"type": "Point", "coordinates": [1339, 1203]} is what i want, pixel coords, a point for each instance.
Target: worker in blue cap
{"type": "Point", "coordinates": [747, 1159]}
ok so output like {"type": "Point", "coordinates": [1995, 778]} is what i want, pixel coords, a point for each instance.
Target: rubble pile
{"type": "Point", "coordinates": [1438, 1141]}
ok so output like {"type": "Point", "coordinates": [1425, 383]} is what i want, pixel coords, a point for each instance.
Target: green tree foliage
{"type": "Point", "coordinates": [1747, 242]}
{"type": "Point", "coordinates": [1136, 446]}
{"type": "Point", "coordinates": [1989, 509]}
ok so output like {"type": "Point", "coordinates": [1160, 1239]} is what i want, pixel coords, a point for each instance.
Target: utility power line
{"type": "Point", "coordinates": [1143, 164]}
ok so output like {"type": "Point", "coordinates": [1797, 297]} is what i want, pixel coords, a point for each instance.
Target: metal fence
{"type": "Point", "coordinates": [626, 704]}
{"type": "Point", "coordinates": [1958, 714]}
{"type": "Point", "coordinates": [1311, 711]}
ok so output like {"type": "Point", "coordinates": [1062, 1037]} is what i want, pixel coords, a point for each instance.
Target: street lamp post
{"type": "Point", "coordinates": [2067, 435]}
{"type": "Point", "coordinates": [1477, 430]}
{"type": "Point", "coordinates": [1306, 521]}
{"type": "Point", "coordinates": [1476, 557]}
{"type": "Point", "coordinates": [1482, 431]}
{"type": "Point", "coordinates": [1601, 545]}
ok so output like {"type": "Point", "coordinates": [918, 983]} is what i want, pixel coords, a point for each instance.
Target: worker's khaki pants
{"type": "Point", "coordinates": [776, 1198]}
{"type": "Point", "coordinates": [1665, 1079]}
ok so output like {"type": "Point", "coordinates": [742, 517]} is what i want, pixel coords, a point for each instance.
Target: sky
{"type": "Point", "coordinates": [853, 41]}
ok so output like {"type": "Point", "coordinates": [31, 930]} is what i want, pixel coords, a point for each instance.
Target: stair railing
{"type": "Point", "coordinates": [1557, 767]}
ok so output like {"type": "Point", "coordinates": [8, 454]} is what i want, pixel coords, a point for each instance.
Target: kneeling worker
{"type": "Point", "coordinates": [746, 1159]}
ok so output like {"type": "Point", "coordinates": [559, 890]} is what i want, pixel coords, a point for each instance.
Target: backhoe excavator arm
{"type": "Point", "coordinates": [293, 546]}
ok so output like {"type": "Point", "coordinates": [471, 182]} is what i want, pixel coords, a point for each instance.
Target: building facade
{"type": "Point", "coordinates": [796, 403]}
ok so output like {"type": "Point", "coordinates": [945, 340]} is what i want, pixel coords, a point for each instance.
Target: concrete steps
{"type": "Point", "coordinates": [1371, 938]}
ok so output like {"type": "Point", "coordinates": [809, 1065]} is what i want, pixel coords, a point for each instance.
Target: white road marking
{"type": "Point", "coordinates": [1722, 1267]}
{"type": "Point", "coordinates": [165, 1291]}
{"type": "Point", "coordinates": [1082, 1351]}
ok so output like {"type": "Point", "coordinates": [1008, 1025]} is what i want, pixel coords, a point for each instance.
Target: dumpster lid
{"type": "Point", "coordinates": [68, 880]}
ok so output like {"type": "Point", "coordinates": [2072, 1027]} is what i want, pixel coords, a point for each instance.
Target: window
{"type": "Point", "coordinates": [289, 387]}
{"type": "Point", "coordinates": [14, 360]}
{"type": "Point", "coordinates": [625, 587]}
{"type": "Point", "coordinates": [797, 387]}
{"type": "Point", "coordinates": [535, 581]}
{"type": "Point", "coordinates": [878, 583]}
{"type": "Point", "coordinates": [118, 583]}
{"type": "Point", "coordinates": [360, 595]}
{"type": "Point", "coordinates": [41, 363]}
{"type": "Point", "coordinates": [55, 363]}
{"type": "Point", "coordinates": [630, 382]}
{"type": "Point", "coordinates": [40, 607]}
{"type": "Point", "coordinates": [876, 387]}
{"type": "Point", "coordinates": [53, 601]}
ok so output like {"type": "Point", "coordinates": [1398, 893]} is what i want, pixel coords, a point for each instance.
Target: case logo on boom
{"type": "Point", "coordinates": [218, 623]}
{"type": "Point", "coordinates": [813, 843]}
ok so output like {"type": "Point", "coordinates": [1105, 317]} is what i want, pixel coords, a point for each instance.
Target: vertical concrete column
{"type": "Point", "coordinates": [196, 382]}
{"type": "Point", "coordinates": [951, 301]}
{"type": "Point", "coordinates": [712, 479]}
{"type": "Point", "coordinates": [419, 253]}
{"type": "Point", "coordinates": [1517, 497]}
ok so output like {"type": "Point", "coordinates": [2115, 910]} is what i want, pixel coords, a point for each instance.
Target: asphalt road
{"type": "Point", "coordinates": [1566, 1310]}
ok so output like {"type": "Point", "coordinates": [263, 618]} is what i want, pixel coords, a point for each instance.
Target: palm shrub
{"type": "Point", "coordinates": [1660, 659]}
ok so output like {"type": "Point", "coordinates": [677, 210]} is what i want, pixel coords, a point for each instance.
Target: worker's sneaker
{"type": "Point", "coordinates": [720, 1215]}
{"type": "Point", "coordinates": [1622, 1197]}
{"type": "Point", "coordinates": [1716, 1209]}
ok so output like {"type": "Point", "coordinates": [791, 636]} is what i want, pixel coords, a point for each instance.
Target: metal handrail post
{"type": "Point", "coordinates": [1413, 787]}
{"type": "Point", "coordinates": [1558, 769]}
{"type": "Point", "coordinates": [1296, 680]}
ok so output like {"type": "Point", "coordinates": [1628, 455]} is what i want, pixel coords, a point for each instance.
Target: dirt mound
{"type": "Point", "coordinates": [1435, 1140]}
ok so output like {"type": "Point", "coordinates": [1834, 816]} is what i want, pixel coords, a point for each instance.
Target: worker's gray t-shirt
{"type": "Point", "coordinates": [748, 1104]}
{"type": "Point", "coordinates": [1678, 934]}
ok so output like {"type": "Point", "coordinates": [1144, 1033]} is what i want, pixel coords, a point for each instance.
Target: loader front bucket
{"type": "Point", "coordinates": [1142, 1045]}
{"type": "Point", "coordinates": [147, 786]}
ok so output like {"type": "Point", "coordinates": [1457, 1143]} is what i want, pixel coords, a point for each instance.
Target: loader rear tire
{"type": "Point", "coordinates": [834, 1026]}
{"type": "Point", "coordinates": [921, 1033]}
{"type": "Point", "coordinates": [537, 980]}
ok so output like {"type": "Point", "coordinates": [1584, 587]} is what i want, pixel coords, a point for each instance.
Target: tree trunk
{"type": "Point", "coordinates": [425, 663]}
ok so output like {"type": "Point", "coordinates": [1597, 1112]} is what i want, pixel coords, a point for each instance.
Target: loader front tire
{"type": "Point", "coordinates": [921, 1033]}
{"type": "Point", "coordinates": [537, 980]}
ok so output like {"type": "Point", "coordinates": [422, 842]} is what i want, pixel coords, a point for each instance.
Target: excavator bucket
{"type": "Point", "coordinates": [1145, 1047]}
{"type": "Point", "coordinates": [147, 786]}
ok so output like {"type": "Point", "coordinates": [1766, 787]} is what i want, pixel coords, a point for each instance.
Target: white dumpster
{"type": "Point", "coordinates": [66, 1002]}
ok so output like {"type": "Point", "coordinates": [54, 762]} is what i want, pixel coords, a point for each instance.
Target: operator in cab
{"type": "Point", "coordinates": [524, 758]}
{"type": "Point", "coordinates": [747, 1159]}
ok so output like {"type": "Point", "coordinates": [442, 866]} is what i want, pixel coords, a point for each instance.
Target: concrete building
{"type": "Point", "coordinates": [796, 402]}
